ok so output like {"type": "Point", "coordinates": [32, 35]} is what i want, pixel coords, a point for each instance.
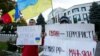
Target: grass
{"type": "Point", "coordinates": [3, 46]}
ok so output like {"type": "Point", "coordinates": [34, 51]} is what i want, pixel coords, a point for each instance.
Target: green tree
{"type": "Point", "coordinates": [94, 15]}
{"type": "Point", "coordinates": [21, 22]}
{"type": "Point", "coordinates": [6, 5]}
{"type": "Point", "coordinates": [93, 11]}
{"type": "Point", "coordinates": [41, 21]}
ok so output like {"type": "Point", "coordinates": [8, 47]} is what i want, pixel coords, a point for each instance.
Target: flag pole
{"type": "Point", "coordinates": [52, 8]}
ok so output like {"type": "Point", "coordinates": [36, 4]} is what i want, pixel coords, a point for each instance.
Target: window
{"type": "Point", "coordinates": [76, 18]}
{"type": "Point", "coordinates": [85, 16]}
{"type": "Point", "coordinates": [64, 14]}
{"type": "Point", "coordinates": [69, 12]}
{"type": "Point", "coordinates": [75, 10]}
{"type": "Point", "coordinates": [83, 8]}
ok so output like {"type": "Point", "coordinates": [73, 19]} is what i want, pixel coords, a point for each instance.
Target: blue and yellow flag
{"type": "Point", "coordinates": [22, 4]}
{"type": "Point", "coordinates": [17, 13]}
{"type": "Point", "coordinates": [34, 10]}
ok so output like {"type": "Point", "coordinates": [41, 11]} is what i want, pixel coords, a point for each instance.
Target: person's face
{"type": "Point", "coordinates": [32, 22]}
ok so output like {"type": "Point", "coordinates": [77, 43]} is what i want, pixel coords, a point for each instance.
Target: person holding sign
{"type": "Point", "coordinates": [64, 19]}
{"type": "Point", "coordinates": [30, 50]}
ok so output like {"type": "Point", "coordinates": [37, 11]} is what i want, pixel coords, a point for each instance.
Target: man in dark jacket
{"type": "Point", "coordinates": [64, 19]}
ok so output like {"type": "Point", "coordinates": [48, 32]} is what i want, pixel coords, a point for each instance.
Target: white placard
{"type": "Point", "coordinates": [29, 35]}
{"type": "Point", "coordinates": [71, 31]}
{"type": "Point", "coordinates": [62, 47]}
{"type": "Point", "coordinates": [29, 41]}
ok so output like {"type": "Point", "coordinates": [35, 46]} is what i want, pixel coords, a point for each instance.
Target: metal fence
{"type": "Point", "coordinates": [6, 37]}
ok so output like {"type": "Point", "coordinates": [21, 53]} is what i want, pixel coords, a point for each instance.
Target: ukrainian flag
{"type": "Point", "coordinates": [22, 4]}
{"type": "Point", "coordinates": [17, 13]}
{"type": "Point", "coordinates": [37, 39]}
{"type": "Point", "coordinates": [34, 10]}
{"type": "Point", "coordinates": [29, 11]}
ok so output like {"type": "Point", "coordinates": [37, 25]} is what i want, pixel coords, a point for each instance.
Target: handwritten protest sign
{"type": "Point", "coordinates": [29, 35]}
{"type": "Point", "coordinates": [69, 40]}
{"type": "Point", "coordinates": [71, 31]}
{"type": "Point", "coordinates": [62, 47]}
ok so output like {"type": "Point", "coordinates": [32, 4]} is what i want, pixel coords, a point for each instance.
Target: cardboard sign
{"type": "Point", "coordinates": [62, 47]}
{"type": "Point", "coordinates": [29, 35]}
{"type": "Point", "coordinates": [71, 31]}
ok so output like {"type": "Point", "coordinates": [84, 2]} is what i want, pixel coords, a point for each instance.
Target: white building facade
{"type": "Point", "coordinates": [77, 13]}
{"type": "Point", "coordinates": [55, 15]}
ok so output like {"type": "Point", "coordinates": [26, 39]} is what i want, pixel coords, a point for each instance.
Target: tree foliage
{"type": "Point", "coordinates": [21, 22]}
{"type": "Point", "coordinates": [12, 27]}
{"type": "Point", "coordinates": [6, 5]}
{"type": "Point", "coordinates": [94, 15]}
{"type": "Point", "coordinates": [41, 21]}
{"type": "Point", "coordinates": [94, 11]}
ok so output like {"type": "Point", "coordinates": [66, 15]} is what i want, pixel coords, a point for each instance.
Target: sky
{"type": "Point", "coordinates": [64, 4]}
{"type": "Point", "coordinates": [68, 3]}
